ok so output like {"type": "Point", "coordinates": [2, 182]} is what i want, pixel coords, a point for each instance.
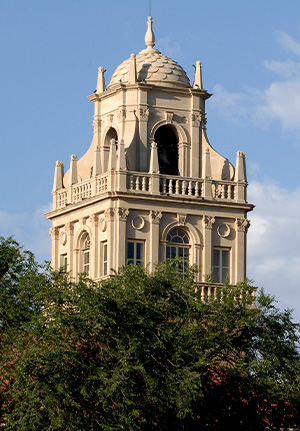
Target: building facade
{"type": "Point", "coordinates": [150, 187]}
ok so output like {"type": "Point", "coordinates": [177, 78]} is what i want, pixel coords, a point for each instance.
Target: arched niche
{"type": "Point", "coordinates": [167, 149]}
{"type": "Point", "coordinates": [109, 135]}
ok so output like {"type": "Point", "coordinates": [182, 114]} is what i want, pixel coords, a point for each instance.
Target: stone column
{"type": "Point", "coordinates": [69, 227]}
{"type": "Point", "coordinates": [195, 142]}
{"type": "Point", "coordinates": [242, 225]}
{"type": "Point", "coordinates": [110, 218]}
{"type": "Point", "coordinates": [143, 112]}
{"type": "Point", "coordinates": [183, 159]}
{"type": "Point", "coordinates": [121, 215]}
{"type": "Point", "coordinates": [154, 218]}
{"type": "Point", "coordinates": [208, 222]}
{"type": "Point", "coordinates": [54, 233]}
{"type": "Point", "coordinates": [94, 262]}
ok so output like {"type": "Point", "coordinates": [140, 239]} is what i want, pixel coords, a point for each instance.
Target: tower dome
{"type": "Point", "coordinates": [152, 67]}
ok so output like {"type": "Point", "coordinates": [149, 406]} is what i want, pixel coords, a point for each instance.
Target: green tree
{"type": "Point", "coordinates": [141, 351]}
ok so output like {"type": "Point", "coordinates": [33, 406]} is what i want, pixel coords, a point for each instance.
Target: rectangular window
{"type": "Point", "coordinates": [135, 253]}
{"type": "Point", "coordinates": [86, 262]}
{"type": "Point", "coordinates": [104, 254]}
{"type": "Point", "coordinates": [64, 261]}
{"type": "Point", "coordinates": [220, 264]}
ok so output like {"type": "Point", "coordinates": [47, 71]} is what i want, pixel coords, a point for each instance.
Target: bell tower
{"type": "Point", "coordinates": [150, 187]}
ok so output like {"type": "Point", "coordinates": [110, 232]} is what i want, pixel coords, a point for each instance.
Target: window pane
{"type": "Point", "coordinates": [180, 252]}
{"type": "Point", "coordinates": [138, 250]}
{"type": "Point", "coordinates": [168, 252]}
{"type": "Point", "coordinates": [216, 275]}
{"type": "Point", "coordinates": [130, 250]}
{"type": "Point", "coordinates": [173, 252]}
{"type": "Point", "coordinates": [225, 258]}
{"type": "Point", "coordinates": [105, 252]}
{"type": "Point", "coordinates": [216, 258]}
{"type": "Point", "coordinates": [225, 273]}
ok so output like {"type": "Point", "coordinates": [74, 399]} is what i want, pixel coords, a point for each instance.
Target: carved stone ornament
{"type": "Point", "coordinates": [82, 221]}
{"type": "Point", "coordinates": [69, 227]}
{"type": "Point", "coordinates": [181, 219]}
{"type": "Point", "coordinates": [122, 213]}
{"type": "Point", "coordinates": [109, 214]}
{"type": "Point", "coordinates": [208, 222]}
{"type": "Point", "coordinates": [97, 124]}
{"type": "Point", "coordinates": [122, 114]}
{"type": "Point", "coordinates": [155, 216]}
{"type": "Point", "coordinates": [138, 223]}
{"type": "Point", "coordinates": [102, 224]}
{"type": "Point", "coordinates": [203, 121]}
{"type": "Point", "coordinates": [242, 224]}
{"type": "Point", "coordinates": [53, 232]}
{"type": "Point", "coordinates": [169, 117]}
{"type": "Point", "coordinates": [144, 114]}
{"type": "Point", "coordinates": [93, 219]}
{"type": "Point", "coordinates": [195, 120]}
{"type": "Point", "coordinates": [63, 237]}
{"type": "Point", "coordinates": [111, 118]}
{"type": "Point", "coordinates": [223, 230]}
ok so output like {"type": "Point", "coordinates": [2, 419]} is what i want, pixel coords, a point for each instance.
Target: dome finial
{"type": "Point", "coordinates": [149, 38]}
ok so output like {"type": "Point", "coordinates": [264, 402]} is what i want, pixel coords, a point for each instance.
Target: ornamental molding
{"type": "Point", "coordinates": [93, 219]}
{"type": "Point", "coordinates": [63, 237]}
{"type": "Point", "coordinates": [69, 228]}
{"type": "Point", "coordinates": [97, 125]}
{"type": "Point", "coordinates": [181, 219]}
{"type": "Point", "coordinates": [195, 120]}
{"type": "Point", "coordinates": [121, 114]}
{"type": "Point", "coordinates": [155, 216]}
{"type": "Point", "coordinates": [54, 233]}
{"type": "Point", "coordinates": [169, 117]}
{"type": "Point", "coordinates": [122, 213]}
{"type": "Point", "coordinates": [138, 222]}
{"type": "Point", "coordinates": [223, 230]}
{"type": "Point", "coordinates": [208, 222]}
{"type": "Point", "coordinates": [242, 224]}
{"type": "Point", "coordinates": [102, 223]}
{"type": "Point", "coordinates": [109, 214]}
{"type": "Point", "coordinates": [144, 114]}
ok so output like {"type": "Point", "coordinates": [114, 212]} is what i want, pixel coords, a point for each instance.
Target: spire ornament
{"type": "Point", "coordinates": [149, 38]}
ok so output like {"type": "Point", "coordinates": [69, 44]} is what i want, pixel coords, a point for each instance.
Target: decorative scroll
{"type": "Point", "coordinates": [122, 213]}
{"type": "Point", "coordinates": [181, 219]}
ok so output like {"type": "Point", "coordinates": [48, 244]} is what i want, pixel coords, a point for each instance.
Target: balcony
{"type": "Point", "coordinates": [142, 183]}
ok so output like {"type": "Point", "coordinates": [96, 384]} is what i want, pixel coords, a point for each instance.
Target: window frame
{"type": "Point", "coordinates": [134, 259]}
{"type": "Point", "coordinates": [223, 269]}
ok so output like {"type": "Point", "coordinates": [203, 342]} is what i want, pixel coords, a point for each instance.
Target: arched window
{"type": "Point", "coordinates": [167, 149]}
{"type": "Point", "coordinates": [178, 247]}
{"type": "Point", "coordinates": [86, 255]}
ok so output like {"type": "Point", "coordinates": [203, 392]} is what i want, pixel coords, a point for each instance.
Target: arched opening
{"type": "Point", "coordinates": [111, 134]}
{"type": "Point", "coordinates": [167, 149]}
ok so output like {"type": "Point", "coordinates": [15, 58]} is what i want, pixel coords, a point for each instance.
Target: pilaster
{"type": "Point", "coordinates": [69, 228]}
{"type": "Point", "coordinates": [109, 214]}
{"type": "Point", "coordinates": [54, 233]}
{"type": "Point", "coordinates": [94, 270]}
{"type": "Point", "coordinates": [242, 225]}
{"type": "Point", "coordinates": [154, 219]}
{"type": "Point", "coordinates": [121, 215]}
{"type": "Point", "coordinates": [208, 222]}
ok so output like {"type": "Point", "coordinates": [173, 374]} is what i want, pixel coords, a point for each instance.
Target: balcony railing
{"type": "Point", "coordinates": [153, 184]}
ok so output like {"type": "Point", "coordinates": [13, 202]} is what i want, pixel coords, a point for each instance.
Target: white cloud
{"type": "Point", "coordinates": [288, 43]}
{"type": "Point", "coordinates": [273, 242]}
{"type": "Point", "coordinates": [31, 230]}
{"type": "Point", "coordinates": [171, 49]}
{"type": "Point", "coordinates": [279, 102]}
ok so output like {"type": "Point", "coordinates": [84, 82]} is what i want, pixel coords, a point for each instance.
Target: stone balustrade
{"type": "Point", "coordinates": [155, 184]}
{"type": "Point", "coordinates": [210, 291]}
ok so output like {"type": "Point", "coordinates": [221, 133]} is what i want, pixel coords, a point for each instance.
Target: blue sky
{"type": "Point", "coordinates": [250, 53]}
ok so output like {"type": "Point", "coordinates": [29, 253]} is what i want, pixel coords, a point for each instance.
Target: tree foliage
{"type": "Point", "coordinates": [140, 351]}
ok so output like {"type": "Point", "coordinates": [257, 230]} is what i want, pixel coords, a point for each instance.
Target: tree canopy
{"type": "Point", "coordinates": [140, 351]}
